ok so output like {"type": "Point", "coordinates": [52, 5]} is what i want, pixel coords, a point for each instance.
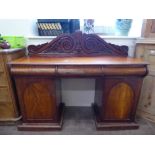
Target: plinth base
{"type": "Point", "coordinates": [101, 125]}
{"type": "Point", "coordinates": [39, 126]}
{"type": "Point", "coordinates": [43, 126]}
{"type": "Point", "coordinates": [116, 126]}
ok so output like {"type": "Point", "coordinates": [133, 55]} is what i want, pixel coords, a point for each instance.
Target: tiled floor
{"type": "Point", "coordinates": [79, 121]}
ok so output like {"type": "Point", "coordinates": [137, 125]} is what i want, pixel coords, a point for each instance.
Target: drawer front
{"type": "Point", "coordinates": [147, 53]}
{"type": "Point", "coordinates": [6, 110]}
{"type": "Point", "coordinates": [3, 80]}
{"type": "Point", "coordinates": [4, 95]}
{"type": "Point", "coordinates": [1, 64]}
{"type": "Point", "coordinates": [80, 70]}
{"type": "Point", "coordinates": [150, 57]}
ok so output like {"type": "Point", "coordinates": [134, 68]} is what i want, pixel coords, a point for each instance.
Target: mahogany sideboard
{"type": "Point", "coordinates": [38, 81]}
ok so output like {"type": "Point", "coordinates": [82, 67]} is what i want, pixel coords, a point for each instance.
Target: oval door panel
{"type": "Point", "coordinates": [119, 102]}
{"type": "Point", "coordinates": [38, 101]}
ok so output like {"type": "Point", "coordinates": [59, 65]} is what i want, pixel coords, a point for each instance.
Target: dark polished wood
{"type": "Point", "coordinates": [118, 84]}
{"type": "Point", "coordinates": [101, 60]}
{"type": "Point", "coordinates": [38, 81]}
{"type": "Point", "coordinates": [79, 66]}
{"type": "Point", "coordinates": [40, 102]}
{"type": "Point", "coordinates": [116, 101]}
{"type": "Point", "coordinates": [78, 44]}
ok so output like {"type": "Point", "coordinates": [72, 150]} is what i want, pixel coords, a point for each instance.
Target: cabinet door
{"type": "Point", "coordinates": [37, 98]}
{"type": "Point", "coordinates": [121, 96]}
{"type": "Point", "coordinates": [148, 28]}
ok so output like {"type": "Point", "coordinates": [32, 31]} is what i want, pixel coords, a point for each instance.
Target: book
{"type": "Point", "coordinates": [49, 29]}
{"type": "Point", "coordinates": [52, 27]}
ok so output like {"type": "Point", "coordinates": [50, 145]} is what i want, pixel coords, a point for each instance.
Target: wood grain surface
{"type": "Point", "coordinates": [78, 61]}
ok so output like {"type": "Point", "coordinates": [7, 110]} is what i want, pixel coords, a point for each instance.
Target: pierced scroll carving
{"type": "Point", "coordinates": [78, 44]}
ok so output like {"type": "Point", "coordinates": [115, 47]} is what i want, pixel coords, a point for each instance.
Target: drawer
{"type": "Point", "coordinates": [4, 95]}
{"type": "Point", "coordinates": [80, 70]}
{"type": "Point", "coordinates": [1, 64]}
{"type": "Point", "coordinates": [6, 110]}
{"type": "Point", "coordinates": [149, 56]}
{"type": "Point", "coordinates": [3, 80]}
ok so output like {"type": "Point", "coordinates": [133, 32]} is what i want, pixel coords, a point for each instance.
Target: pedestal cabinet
{"type": "Point", "coordinates": [8, 105]}
{"type": "Point", "coordinates": [145, 49]}
{"type": "Point", "coordinates": [40, 100]}
{"type": "Point", "coordinates": [117, 101]}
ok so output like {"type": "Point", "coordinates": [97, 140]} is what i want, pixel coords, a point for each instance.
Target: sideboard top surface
{"type": "Point", "coordinates": [78, 49]}
{"type": "Point", "coordinates": [12, 50]}
{"type": "Point", "coordinates": [104, 60]}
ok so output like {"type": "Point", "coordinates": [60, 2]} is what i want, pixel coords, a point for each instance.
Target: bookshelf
{"type": "Point", "coordinates": [55, 27]}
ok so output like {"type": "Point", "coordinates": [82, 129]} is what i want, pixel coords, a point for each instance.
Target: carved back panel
{"type": "Point", "coordinates": [78, 44]}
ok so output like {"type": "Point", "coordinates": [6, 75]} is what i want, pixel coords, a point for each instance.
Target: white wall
{"type": "Point", "coordinates": [20, 27]}
{"type": "Point", "coordinates": [75, 92]}
{"type": "Point", "coordinates": [78, 92]}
